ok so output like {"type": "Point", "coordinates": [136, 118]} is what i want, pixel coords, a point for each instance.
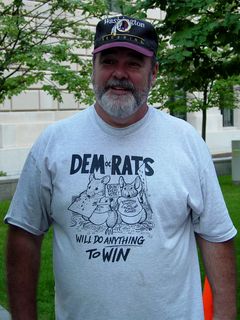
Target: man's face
{"type": "Point", "coordinates": [122, 79]}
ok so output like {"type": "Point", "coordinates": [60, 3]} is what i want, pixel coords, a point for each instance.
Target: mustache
{"type": "Point", "coordinates": [124, 84]}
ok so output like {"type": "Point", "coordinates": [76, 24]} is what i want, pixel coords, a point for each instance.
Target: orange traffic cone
{"type": "Point", "coordinates": [207, 300]}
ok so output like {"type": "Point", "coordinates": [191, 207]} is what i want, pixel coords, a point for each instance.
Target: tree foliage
{"type": "Point", "coordinates": [199, 52]}
{"type": "Point", "coordinates": [40, 41]}
{"type": "Point", "coordinates": [199, 49]}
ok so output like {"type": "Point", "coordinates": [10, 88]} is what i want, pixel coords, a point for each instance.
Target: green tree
{"type": "Point", "coordinates": [199, 46]}
{"type": "Point", "coordinates": [39, 41]}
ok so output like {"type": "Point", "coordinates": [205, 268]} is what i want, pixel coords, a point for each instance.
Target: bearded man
{"type": "Point", "coordinates": [129, 191]}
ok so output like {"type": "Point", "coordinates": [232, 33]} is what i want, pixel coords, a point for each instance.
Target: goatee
{"type": "Point", "coordinates": [120, 106]}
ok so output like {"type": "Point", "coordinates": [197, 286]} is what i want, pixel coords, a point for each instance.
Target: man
{"type": "Point", "coordinates": [127, 190]}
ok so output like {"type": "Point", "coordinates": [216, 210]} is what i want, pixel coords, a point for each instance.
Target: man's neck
{"type": "Point", "coordinates": [118, 122]}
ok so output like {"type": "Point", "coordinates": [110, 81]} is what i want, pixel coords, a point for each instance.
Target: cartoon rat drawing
{"type": "Point", "coordinates": [104, 214]}
{"type": "Point", "coordinates": [97, 187]}
{"type": "Point", "coordinates": [130, 206]}
{"type": "Point", "coordinates": [87, 201]}
{"type": "Point", "coordinates": [110, 205]}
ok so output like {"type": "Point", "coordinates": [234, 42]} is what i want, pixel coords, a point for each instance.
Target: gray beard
{"type": "Point", "coordinates": [120, 106]}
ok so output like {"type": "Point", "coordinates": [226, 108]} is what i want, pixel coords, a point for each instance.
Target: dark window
{"type": "Point", "coordinates": [227, 101]}
{"type": "Point", "coordinates": [177, 104]}
{"type": "Point", "coordinates": [228, 118]}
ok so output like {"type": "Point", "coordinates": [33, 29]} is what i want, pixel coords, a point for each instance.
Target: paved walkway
{"type": "Point", "coordinates": [4, 314]}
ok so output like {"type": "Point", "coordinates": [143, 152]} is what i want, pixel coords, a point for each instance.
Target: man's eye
{"type": "Point", "coordinates": [135, 64]}
{"type": "Point", "coordinates": [108, 61]}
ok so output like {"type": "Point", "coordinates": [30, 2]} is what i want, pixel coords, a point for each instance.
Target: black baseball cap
{"type": "Point", "coordinates": [123, 31]}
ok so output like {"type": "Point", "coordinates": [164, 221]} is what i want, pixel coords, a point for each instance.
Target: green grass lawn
{"type": "Point", "coordinates": [46, 284]}
{"type": "Point", "coordinates": [232, 197]}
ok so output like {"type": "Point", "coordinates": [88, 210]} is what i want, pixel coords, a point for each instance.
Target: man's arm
{"type": "Point", "coordinates": [23, 262]}
{"type": "Point", "coordinates": [220, 266]}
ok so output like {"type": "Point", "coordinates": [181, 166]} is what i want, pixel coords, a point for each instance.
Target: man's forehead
{"type": "Point", "coordinates": [122, 51]}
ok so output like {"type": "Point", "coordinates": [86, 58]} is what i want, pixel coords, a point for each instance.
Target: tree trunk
{"type": "Point", "coordinates": [204, 123]}
{"type": "Point", "coordinates": [204, 113]}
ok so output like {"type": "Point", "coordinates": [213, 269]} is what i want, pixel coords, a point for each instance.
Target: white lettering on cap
{"type": "Point", "coordinates": [133, 22]}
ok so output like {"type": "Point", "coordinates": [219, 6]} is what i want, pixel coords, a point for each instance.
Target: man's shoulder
{"type": "Point", "coordinates": [173, 122]}
{"type": "Point", "coordinates": [63, 130]}
{"type": "Point", "coordinates": [77, 117]}
{"type": "Point", "coordinates": [69, 123]}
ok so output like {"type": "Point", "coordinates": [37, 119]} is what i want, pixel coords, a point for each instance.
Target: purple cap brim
{"type": "Point", "coordinates": [128, 45]}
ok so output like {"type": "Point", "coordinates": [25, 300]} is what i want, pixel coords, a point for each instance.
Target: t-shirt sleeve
{"type": "Point", "coordinates": [30, 208]}
{"type": "Point", "coordinates": [212, 221]}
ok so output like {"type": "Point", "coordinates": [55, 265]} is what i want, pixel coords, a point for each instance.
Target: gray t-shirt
{"type": "Point", "coordinates": [124, 205]}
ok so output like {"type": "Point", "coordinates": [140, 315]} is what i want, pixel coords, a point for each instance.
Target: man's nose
{"type": "Point", "coordinates": [120, 72]}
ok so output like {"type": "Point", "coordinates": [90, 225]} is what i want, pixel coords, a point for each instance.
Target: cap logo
{"type": "Point", "coordinates": [122, 25]}
{"type": "Point", "coordinates": [126, 32]}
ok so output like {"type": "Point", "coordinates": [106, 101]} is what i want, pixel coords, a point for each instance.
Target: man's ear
{"type": "Point", "coordinates": [154, 74]}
